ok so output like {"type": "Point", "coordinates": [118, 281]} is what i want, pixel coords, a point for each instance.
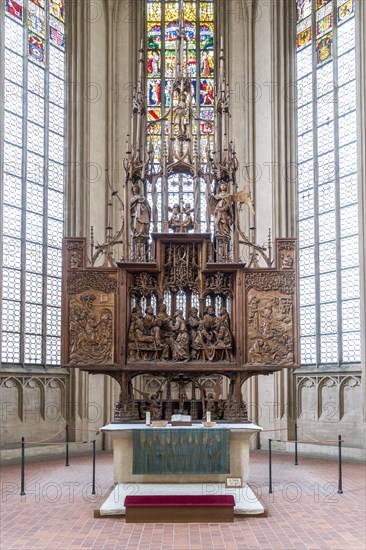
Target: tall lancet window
{"type": "Point", "coordinates": [32, 161]}
{"type": "Point", "coordinates": [161, 65]}
{"type": "Point", "coordinates": [327, 176]}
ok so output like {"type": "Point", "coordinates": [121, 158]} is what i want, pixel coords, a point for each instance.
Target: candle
{"type": "Point", "coordinates": [148, 418]}
{"type": "Point", "coordinates": [208, 416]}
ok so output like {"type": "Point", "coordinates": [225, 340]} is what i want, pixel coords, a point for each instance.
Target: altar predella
{"type": "Point", "coordinates": [180, 319]}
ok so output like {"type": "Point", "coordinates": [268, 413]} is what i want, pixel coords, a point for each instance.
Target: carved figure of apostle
{"type": "Point", "coordinates": [180, 342]}
{"type": "Point", "coordinates": [224, 338]}
{"type": "Point", "coordinates": [140, 213]}
{"type": "Point", "coordinates": [223, 318]}
{"type": "Point", "coordinates": [162, 318]}
{"type": "Point", "coordinates": [222, 209]}
{"type": "Point", "coordinates": [209, 317]}
{"type": "Point", "coordinates": [193, 322]}
{"type": "Point", "coordinates": [205, 339]}
{"type": "Point", "coordinates": [224, 341]}
{"type": "Point", "coordinates": [149, 319]}
{"type": "Point", "coordinates": [152, 326]}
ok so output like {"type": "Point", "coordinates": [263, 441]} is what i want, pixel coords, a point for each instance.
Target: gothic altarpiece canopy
{"type": "Point", "coordinates": [180, 308]}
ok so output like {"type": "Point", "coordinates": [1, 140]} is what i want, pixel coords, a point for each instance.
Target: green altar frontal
{"type": "Point", "coordinates": [181, 451]}
{"type": "Point", "coordinates": [184, 454]}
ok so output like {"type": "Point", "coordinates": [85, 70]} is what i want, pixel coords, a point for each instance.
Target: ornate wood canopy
{"type": "Point", "coordinates": [180, 308]}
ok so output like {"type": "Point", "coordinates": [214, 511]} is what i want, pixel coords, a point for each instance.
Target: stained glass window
{"type": "Point", "coordinates": [327, 182]}
{"type": "Point", "coordinates": [162, 29]}
{"type": "Point", "coordinates": [33, 152]}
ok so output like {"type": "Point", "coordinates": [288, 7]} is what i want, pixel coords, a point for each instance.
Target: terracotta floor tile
{"type": "Point", "coordinates": [305, 510]}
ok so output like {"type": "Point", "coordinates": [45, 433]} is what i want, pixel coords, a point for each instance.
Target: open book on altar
{"type": "Point", "coordinates": [181, 420]}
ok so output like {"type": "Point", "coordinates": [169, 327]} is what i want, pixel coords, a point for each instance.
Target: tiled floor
{"type": "Point", "coordinates": [305, 510]}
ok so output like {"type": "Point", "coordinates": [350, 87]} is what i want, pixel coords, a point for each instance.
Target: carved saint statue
{"type": "Point", "coordinates": [175, 219]}
{"type": "Point", "coordinates": [140, 213]}
{"type": "Point", "coordinates": [181, 114]}
{"type": "Point", "coordinates": [222, 209]}
{"type": "Point", "coordinates": [287, 261]}
{"type": "Point", "coordinates": [210, 405]}
{"type": "Point", "coordinates": [181, 222]}
{"type": "Point", "coordinates": [187, 222]}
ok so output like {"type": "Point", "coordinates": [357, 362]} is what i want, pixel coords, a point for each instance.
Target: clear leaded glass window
{"type": "Point", "coordinates": [33, 155]}
{"type": "Point", "coordinates": [327, 176]}
{"type": "Point", "coordinates": [162, 30]}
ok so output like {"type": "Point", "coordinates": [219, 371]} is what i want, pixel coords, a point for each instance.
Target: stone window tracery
{"type": "Point", "coordinates": [33, 156]}
{"type": "Point", "coordinates": [327, 182]}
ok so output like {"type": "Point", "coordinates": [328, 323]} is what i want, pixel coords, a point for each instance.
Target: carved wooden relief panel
{"type": "Point", "coordinates": [181, 321]}
{"type": "Point", "coordinates": [90, 308]}
{"type": "Point", "coordinates": [286, 254]}
{"type": "Point", "coordinates": [180, 314]}
{"type": "Point", "coordinates": [75, 253]}
{"type": "Point", "coordinates": [270, 303]}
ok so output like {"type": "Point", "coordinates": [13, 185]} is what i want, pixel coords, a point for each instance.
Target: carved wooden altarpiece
{"type": "Point", "coordinates": [180, 311]}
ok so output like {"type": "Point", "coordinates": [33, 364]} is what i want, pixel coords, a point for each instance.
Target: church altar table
{"type": "Point", "coordinates": [125, 464]}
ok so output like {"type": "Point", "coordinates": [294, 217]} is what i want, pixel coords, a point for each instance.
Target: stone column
{"type": "Point", "coordinates": [272, 152]}
{"type": "Point", "coordinates": [86, 159]}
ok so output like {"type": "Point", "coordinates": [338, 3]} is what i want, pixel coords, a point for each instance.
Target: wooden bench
{"type": "Point", "coordinates": [179, 508]}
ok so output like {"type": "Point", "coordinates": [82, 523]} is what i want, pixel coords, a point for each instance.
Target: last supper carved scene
{"type": "Point", "coordinates": [180, 305]}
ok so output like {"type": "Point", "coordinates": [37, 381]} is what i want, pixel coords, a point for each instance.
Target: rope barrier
{"type": "Point", "coordinates": [320, 441]}
{"type": "Point", "coordinates": [274, 430]}
{"type": "Point", "coordinates": [22, 464]}
{"type": "Point", "coordinates": [47, 438]}
{"type": "Point", "coordinates": [315, 442]}
{"type": "Point", "coordinates": [60, 443]}
{"type": "Point", "coordinates": [41, 441]}
{"type": "Point", "coordinates": [348, 433]}
{"type": "Point", "coordinates": [339, 441]}
{"type": "Point", "coordinates": [84, 430]}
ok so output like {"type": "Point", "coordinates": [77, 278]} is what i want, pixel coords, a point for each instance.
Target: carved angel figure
{"type": "Point", "coordinates": [187, 222]}
{"type": "Point", "coordinates": [244, 197]}
{"type": "Point", "coordinates": [221, 206]}
{"type": "Point", "coordinates": [151, 403]}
